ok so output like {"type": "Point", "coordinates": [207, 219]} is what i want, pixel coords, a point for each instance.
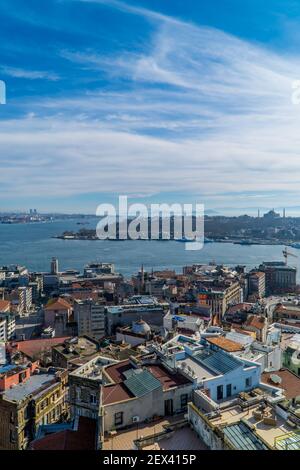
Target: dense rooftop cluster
{"type": "Point", "coordinates": [96, 361]}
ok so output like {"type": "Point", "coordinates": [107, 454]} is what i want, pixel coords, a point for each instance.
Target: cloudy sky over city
{"type": "Point", "coordinates": [162, 100]}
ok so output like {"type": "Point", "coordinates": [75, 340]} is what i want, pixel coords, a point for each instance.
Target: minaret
{"type": "Point", "coordinates": [258, 213]}
{"type": "Point", "coordinates": [284, 213]}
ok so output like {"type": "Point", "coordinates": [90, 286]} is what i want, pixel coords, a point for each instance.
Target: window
{"type": "Point", "coordinates": [184, 401]}
{"type": "Point", "coordinates": [78, 393]}
{"type": "Point", "coordinates": [248, 382]}
{"type": "Point", "coordinates": [219, 392]}
{"type": "Point", "coordinates": [119, 418]}
{"type": "Point", "coordinates": [12, 436]}
{"type": "Point", "coordinates": [93, 398]}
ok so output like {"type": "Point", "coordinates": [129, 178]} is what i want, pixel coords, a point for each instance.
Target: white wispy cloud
{"type": "Point", "coordinates": [29, 74]}
{"type": "Point", "coordinates": [202, 112]}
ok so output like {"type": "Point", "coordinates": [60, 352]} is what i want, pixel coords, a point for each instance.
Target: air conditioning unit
{"type": "Point", "coordinates": [135, 419]}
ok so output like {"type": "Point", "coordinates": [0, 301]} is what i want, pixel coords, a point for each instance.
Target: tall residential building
{"type": "Point", "coordinates": [90, 318]}
{"type": "Point", "coordinates": [2, 329]}
{"type": "Point", "coordinates": [21, 300]}
{"type": "Point", "coordinates": [10, 325]}
{"type": "Point", "coordinates": [219, 297]}
{"type": "Point", "coordinates": [257, 283]}
{"type": "Point", "coordinates": [280, 278]}
{"type": "Point", "coordinates": [54, 266]}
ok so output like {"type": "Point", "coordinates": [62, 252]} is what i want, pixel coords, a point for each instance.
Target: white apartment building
{"type": "Point", "coordinates": [21, 300]}
{"type": "Point", "coordinates": [25, 299]}
{"type": "Point", "coordinates": [10, 325]}
{"type": "Point", "coordinates": [2, 330]}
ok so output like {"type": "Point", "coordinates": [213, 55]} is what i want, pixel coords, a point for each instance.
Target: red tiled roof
{"type": "Point", "coordinates": [239, 307]}
{"type": "Point", "coordinates": [258, 274]}
{"type": "Point", "coordinates": [115, 393]}
{"type": "Point", "coordinates": [82, 439]}
{"type": "Point", "coordinates": [76, 285]}
{"type": "Point", "coordinates": [255, 322]}
{"type": "Point", "coordinates": [34, 347]}
{"type": "Point", "coordinates": [289, 311]}
{"type": "Point", "coordinates": [236, 327]}
{"type": "Point", "coordinates": [4, 305]}
{"type": "Point", "coordinates": [58, 304]}
{"type": "Point", "coordinates": [225, 344]}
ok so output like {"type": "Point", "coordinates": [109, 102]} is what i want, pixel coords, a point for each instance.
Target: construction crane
{"type": "Point", "coordinates": [286, 253]}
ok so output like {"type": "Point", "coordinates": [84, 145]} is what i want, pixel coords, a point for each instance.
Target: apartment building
{"type": "Point", "coordinates": [138, 307]}
{"type": "Point", "coordinates": [279, 278]}
{"type": "Point", "coordinates": [3, 330]}
{"type": "Point", "coordinates": [120, 394]}
{"type": "Point", "coordinates": [21, 300]}
{"type": "Point", "coordinates": [8, 322]}
{"type": "Point", "coordinates": [219, 296]}
{"type": "Point", "coordinates": [257, 284]}
{"type": "Point", "coordinates": [57, 315]}
{"type": "Point", "coordinates": [90, 318]}
{"type": "Point", "coordinates": [30, 397]}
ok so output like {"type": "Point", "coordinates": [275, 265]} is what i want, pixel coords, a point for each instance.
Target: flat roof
{"type": "Point", "coordinates": [268, 433]}
{"type": "Point", "coordinates": [200, 371]}
{"type": "Point", "coordinates": [31, 387]}
{"type": "Point", "coordinates": [290, 382]}
{"type": "Point", "coordinates": [167, 379]}
{"type": "Point", "coordinates": [124, 440]}
{"type": "Point", "coordinates": [116, 371]}
{"type": "Point", "coordinates": [115, 393]}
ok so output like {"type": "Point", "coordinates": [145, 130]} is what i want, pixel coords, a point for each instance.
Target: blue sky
{"type": "Point", "coordinates": [162, 100]}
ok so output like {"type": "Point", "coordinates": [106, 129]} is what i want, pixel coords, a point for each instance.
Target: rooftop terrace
{"type": "Point", "coordinates": [267, 432]}
{"type": "Point", "coordinates": [32, 386]}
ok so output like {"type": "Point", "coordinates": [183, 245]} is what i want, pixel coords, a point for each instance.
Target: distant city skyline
{"type": "Point", "coordinates": [162, 101]}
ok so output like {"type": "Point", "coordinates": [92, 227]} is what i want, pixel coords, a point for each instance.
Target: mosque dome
{"type": "Point", "coordinates": [141, 327]}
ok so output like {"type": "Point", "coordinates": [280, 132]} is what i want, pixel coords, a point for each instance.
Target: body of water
{"type": "Point", "coordinates": [32, 245]}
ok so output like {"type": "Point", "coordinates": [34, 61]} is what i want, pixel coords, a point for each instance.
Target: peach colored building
{"type": "Point", "coordinates": [57, 311]}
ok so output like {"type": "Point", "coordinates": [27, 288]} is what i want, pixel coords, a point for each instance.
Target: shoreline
{"type": "Point", "coordinates": [233, 242]}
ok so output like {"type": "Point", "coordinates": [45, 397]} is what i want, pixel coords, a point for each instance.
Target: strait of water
{"type": "Point", "coordinates": [32, 245]}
